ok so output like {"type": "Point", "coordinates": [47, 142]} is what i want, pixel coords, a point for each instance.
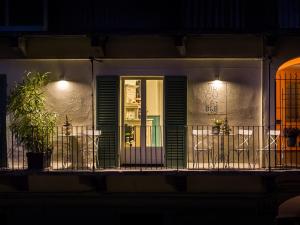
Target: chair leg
{"type": "Point", "coordinates": [255, 159]}
{"type": "Point", "coordinates": [267, 159]}
{"type": "Point", "coordinates": [195, 159]}
{"type": "Point", "coordinates": [248, 153]}
{"type": "Point", "coordinates": [208, 159]}
{"type": "Point", "coordinates": [213, 158]}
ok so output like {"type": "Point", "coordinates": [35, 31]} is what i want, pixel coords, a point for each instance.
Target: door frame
{"type": "Point", "coordinates": [143, 144]}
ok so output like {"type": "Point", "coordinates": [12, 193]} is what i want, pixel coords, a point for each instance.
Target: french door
{"type": "Point", "coordinates": [142, 121]}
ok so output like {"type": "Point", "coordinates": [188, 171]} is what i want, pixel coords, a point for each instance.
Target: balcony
{"type": "Point", "coordinates": [193, 147]}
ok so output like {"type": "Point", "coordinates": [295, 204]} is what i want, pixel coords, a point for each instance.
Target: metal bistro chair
{"type": "Point", "coordinates": [244, 136]}
{"type": "Point", "coordinates": [272, 146]}
{"type": "Point", "coordinates": [202, 146]}
{"type": "Point", "coordinates": [90, 142]}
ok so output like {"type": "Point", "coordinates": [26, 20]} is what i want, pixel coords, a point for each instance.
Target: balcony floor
{"type": "Point", "coordinates": [191, 166]}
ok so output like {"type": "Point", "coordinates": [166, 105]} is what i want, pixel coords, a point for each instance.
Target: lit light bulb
{"type": "Point", "coordinates": [217, 83]}
{"type": "Point", "coordinates": [62, 85]}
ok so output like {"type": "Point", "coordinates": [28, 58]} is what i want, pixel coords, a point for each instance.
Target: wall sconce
{"type": "Point", "coordinates": [217, 82]}
{"type": "Point", "coordinates": [217, 76]}
{"type": "Point", "coordinates": [62, 83]}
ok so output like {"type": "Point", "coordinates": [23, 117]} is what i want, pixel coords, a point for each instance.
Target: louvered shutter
{"type": "Point", "coordinates": [175, 121]}
{"type": "Point", "coordinates": [107, 110]}
{"type": "Point", "coordinates": [3, 97]}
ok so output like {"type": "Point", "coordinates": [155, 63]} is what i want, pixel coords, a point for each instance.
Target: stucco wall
{"type": "Point", "coordinates": [75, 101]}
{"type": "Point", "coordinates": [243, 79]}
{"type": "Point", "coordinates": [243, 94]}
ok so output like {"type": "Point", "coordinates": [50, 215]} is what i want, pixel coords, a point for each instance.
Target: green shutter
{"type": "Point", "coordinates": [175, 121]}
{"type": "Point", "coordinates": [3, 97]}
{"type": "Point", "coordinates": [107, 111]}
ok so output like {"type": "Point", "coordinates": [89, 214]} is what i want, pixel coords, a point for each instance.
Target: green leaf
{"type": "Point", "coordinates": [29, 120]}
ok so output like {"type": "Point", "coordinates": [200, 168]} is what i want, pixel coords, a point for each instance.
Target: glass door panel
{"type": "Point", "coordinates": [132, 112]}
{"type": "Point", "coordinates": [154, 112]}
{"type": "Point", "coordinates": [142, 133]}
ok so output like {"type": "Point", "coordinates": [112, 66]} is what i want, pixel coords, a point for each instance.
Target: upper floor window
{"type": "Point", "coordinates": [29, 15]}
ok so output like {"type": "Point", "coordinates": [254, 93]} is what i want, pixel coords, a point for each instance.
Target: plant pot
{"type": "Point", "coordinates": [38, 160]}
{"type": "Point", "coordinates": [291, 141]}
{"type": "Point", "coordinates": [215, 130]}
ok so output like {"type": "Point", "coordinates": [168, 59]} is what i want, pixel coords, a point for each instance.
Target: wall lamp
{"type": "Point", "coordinates": [217, 82]}
{"type": "Point", "coordinates": [62, 83]}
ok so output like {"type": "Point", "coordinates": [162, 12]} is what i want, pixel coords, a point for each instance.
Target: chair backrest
{"type": "Point", "coordinates": [90, 132]}
{"type": "Point", "coordinates": [274, 136]}
{"type": "Point", "coordinates": [201, 132]}
{"type": "Point", "coordinates": [244, 135]}
{"type": "Point", "coordinates": [274, 132]}
{"type": "Point", "coordinates": [201, 139]}
{"type": "Point", "coordinates": [245, 132]}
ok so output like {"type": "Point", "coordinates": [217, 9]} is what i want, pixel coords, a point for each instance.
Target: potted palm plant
{"type": "Point", "coordinates": [30, 122]}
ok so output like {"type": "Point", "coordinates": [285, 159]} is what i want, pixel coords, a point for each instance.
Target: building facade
{"type": "Point", "coordinates": [191, 94]}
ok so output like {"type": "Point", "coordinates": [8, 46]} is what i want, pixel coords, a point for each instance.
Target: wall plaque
{"type": "Point", "coordinates": [214, 99]}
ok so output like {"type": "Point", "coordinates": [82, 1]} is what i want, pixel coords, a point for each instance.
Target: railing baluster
{"type": "Point", "coordinates": [205, 150]}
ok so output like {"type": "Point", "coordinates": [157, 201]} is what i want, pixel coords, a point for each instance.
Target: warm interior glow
{"type": "Point", "coordinates": [287, 78]}
{"type": "Point", "coordinates": [289, 63]}
{"type": "Point", "coordinates": [136, 102]}
{"type": "Point", "coordinates": [217, 83]}
{"type": "Point", "coordinates": [62, 85]}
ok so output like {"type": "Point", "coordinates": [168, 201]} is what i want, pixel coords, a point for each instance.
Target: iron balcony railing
{"type": "Point", "coordinates": [193, 147]}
